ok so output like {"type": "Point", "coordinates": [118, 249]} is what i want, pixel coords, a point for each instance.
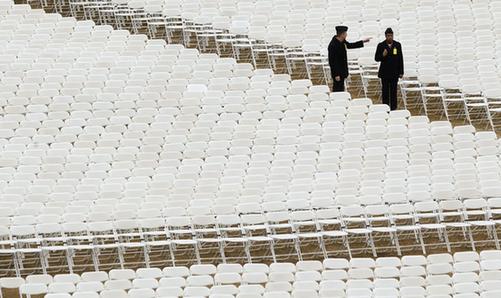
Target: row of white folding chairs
{"type": "Point", "coordinates": [277, 141]}
{"type": "Point", "coordinates": [338, 114]}
{"type": "Point", "coordinates": [285, 157]}
{"type": "Point", "coordinates": [359, 191]}
{"type": "Point", "coordinates": [371, 130]}
{"type": "Point", "coordinates": [234, 105]}
{"type": "Point", "coordinates": [251, 215]}
{"type": "Point", "coordinates": [333, 113]}
{"type": "Point", "coordinates": [406, 292]}
{"type": "Point", "coordinates": [281, 146]}
{"type": "Point", "coordinates": [276, 131]}
{"type": "Point", "coordinates": [302, 184]}
{"type": "Point", "coordinates": [87, 211]}
{"type": "Point", "coordinates": [114, 209]}
{"type": "Point", "coordinates": [250, 116]}
{"type": "Point", "coordinates": [191, 86]}
{"type": "Point", "coordinates": [412, 265]}
{"type": "Point", "coordinates": [271, 138]}
{"type": "Point", "coordinates": [25, 252]}
{"type": "Point", "coordinates": [274, 125]}
{"type": "Point", "coordinates": [268, 132]}
{"type": "Point", "coordinates": [272, 289]}
{"type": "Point", "coordinates": [266, 150]}
{"type": "Point", "coordinates": [328, 178]}
{"type": "Point", "coordinates": [372, 172]}
{"type": "Point", "coordinates": [341, 274]}
{"type": "Point", "coordinates": [460, 290]}
{"type": "Point", "coordinates": [266, 159]}
{"type": "Point", "coordinates": [208, 72]}
{"type": "Point", "coordinates": [173, 173]}
{"type": "Point", "coordinates": [56, 210]}
{"type": "Point", "coordinates": [234, 85]}
{"type": "Point", "coordinates": [329, 142]}
{"type": "Point", "coordinates": [147, 101]}
{"type": "Point", "coordinates": [270, 158]}
{"type": "Point", "coordinates": [374, 141]}
{"type": "Point", "coordinates": [312, 125]}
{"type": "Point", "coordinates": [466, 185]}
{"type": "Point", "coordinates": [285, 161]}
{"type": "Point", "coordinates": [245, 204]}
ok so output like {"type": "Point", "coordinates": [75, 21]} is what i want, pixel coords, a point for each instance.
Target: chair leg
{"type": "Point", "coordinates": [17, 264]}
{"type": "Point", "coordinates": [466, 112]}
{"type": "Point", "coordinates": [69, 259]}
{"type": "Point", "coordinates": [120, 250]}
{"type": "Point", "coordinates": [419, 238]}
{"type": "Point", "coordinates": [347, 245]}
{"type": "Point", "coordinates": [322, 246]}
{"type": "Point", "coordinates": [272, 250]}
{"type": "Point", "coordinates": [394, 236]}
{"type": "Point", "coordinates": [371, 243]}
{"type": "Point", "coordinates": [171, 252]}
{"type": "Point", "coordinates": [298, 249]}
{"type": "Point", "coordinates": [470, 236]}
{"type": "Point", "coordinates": [446, 239]}
{"type": "Point", "coordinates": [43, 260]}
{"type": "Point", "coordinates": [221, 251]}
{"type": "Point", "coordinates": [95, 258]}
{"type": "Point", "coordinates": [495, 236]}
{"type": "Point", "coordinates": [247, 252]}
{"type": "Point", "coordinates": [196, 247]}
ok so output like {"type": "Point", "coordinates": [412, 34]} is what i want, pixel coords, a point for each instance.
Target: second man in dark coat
{"type": "Point", "coordinates": [338, 59]}
{"type": "Point", "coordinates": [389, 53]}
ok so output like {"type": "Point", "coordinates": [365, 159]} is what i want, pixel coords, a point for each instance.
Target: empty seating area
{"type": "Point", "coordinates": [119, 151]}
{"type": "Point", "coordinates": [451, 48]}
{"type": "Point", "coordinates": [461, 275]}
{"type": "Point", "coordinates": [135, 167]}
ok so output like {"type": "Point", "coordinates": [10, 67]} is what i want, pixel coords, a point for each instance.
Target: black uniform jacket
{"type": "Point", "coordinates": [338, 60]}
{"type": "Point", "coordinates": [392, 66]}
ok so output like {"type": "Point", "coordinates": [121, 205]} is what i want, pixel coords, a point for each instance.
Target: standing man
{"type": "Point", "coordinates": [389, 53]}
{"type": "Point", "coordinates": [338, 60]}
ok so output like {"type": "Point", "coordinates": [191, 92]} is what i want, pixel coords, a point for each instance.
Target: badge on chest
{"type": "Point", "coordinates": [395, 51]}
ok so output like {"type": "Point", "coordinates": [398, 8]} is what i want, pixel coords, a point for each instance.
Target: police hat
{"type": "Point", "coordinates": [341, 29]}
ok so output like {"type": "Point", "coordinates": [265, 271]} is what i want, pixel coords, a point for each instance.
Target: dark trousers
{"type": "Point", "coordinates": [390, 92]}
{"type": "Point", "coordinates": [338, 86]}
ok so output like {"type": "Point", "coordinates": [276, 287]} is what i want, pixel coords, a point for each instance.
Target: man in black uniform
{"type": "Point", "coordinates": [338, 60]}
{"type": "Point", "coordinates": [389, 53]}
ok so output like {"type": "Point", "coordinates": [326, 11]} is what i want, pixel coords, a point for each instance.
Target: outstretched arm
{"type": "Point", "coordinates": [355, 45]}
{"type": "Point", "coordinates": [358, 44]}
